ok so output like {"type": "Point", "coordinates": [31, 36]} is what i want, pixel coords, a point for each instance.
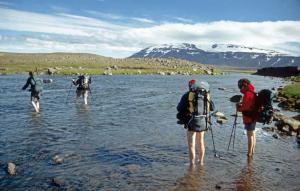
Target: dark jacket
{"type": "Point", "coordinates": [79, 82]}
{"type": "Point", "coordinates": [30, 81]}
{"type": "Point", "coordinates": [183, 114]}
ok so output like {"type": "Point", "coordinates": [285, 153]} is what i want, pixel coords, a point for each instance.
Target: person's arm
{"type": "Point", "coordinates": [75, 82]}
{"type": "Point", "coordinates": [211, 105]}
{"type": "Point", "coordinates": [182, 105]}
{"type": "Point", "coordinates": [247, 102]}
{"type": "Point", "coordinates": [27, 84]}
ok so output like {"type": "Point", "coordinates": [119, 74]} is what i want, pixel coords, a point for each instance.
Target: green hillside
{"type": "Point", "coordinates": [78, 63]}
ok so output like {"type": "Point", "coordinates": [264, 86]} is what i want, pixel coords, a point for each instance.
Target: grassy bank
{"type": "Point", "coordinates": [238, 70]}
{"type": "Point", "coordinates": [75, 63]}
{"type": "Point", "coordinates": [292, 93]}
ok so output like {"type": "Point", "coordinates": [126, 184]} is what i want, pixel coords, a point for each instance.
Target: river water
{"type": "Point", "coordinates": [127, 138]}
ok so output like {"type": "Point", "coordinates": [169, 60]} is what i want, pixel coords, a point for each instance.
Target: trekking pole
{"type": "Point", "coordinates": [232, 131]}
{"type": "Point", "coordinates": [91, 94]}
{"type": "Point", "coordinates": [208, 119]}
{"type": "Point", "coordinates": [68, 93]}
{"type": "Point", "coordinates": [213, 140]}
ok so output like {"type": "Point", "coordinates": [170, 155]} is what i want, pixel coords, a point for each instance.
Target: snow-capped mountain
{"type": "Point", "coordinates": [220, 54]}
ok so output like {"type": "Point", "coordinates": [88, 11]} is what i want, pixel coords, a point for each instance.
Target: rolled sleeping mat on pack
{"type": "Point", "coordinates": [46, 81]}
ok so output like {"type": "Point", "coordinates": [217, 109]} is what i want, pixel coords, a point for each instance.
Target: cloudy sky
{"type": "Point", "coordinates": [119, 28]}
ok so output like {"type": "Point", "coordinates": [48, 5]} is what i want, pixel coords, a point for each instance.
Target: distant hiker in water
{"type": "Point", "coordinates": [193, 110]}
{"type": "Point", "coordinates": [83, 87]}
{"type": "Point", "coordinates": [246, 106]}
{"type": "Point", "coordinates": [36, 87]}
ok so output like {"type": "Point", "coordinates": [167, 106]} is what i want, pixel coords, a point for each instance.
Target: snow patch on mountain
{"type": "Point", "coordinates": [220, 54]}
{"type": "Point", "coordinates": [239, 48]}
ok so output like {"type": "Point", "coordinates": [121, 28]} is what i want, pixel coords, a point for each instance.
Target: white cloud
{"type": "Point", "coordinates": [183, 20]}
{"type": "Point", "coordinates": [104, 15]}
{"type": "Point", "coordinates": [59, 9]}
{"type": "Point", "coordinates": [75, 33]}
{"type": "Point", "coordinates": [143, 20]}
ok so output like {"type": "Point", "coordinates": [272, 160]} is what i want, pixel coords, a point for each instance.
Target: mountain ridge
{"type": "Point", "coordinates": [221, 55]}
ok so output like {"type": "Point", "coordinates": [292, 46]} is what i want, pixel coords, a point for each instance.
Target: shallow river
{"type": "Point", "coordinates": [127, 138]}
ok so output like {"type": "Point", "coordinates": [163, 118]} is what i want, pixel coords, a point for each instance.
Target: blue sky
{"type": "Point", "coordinates": [119, 28]}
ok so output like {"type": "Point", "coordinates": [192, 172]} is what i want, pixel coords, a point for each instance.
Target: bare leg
{"type": "Point", "coordinates": [201, 147]}
{"type": "Point", "coordinates": [35, 106]}
{"type": "Point", "coordinates": [251, 142]}
{"type": "Point", "coordinates": [191, 136]}
{"type": "Point", "coordinates": [38, 104]}
{"type": "Point", "coordinates": [85, 96]}
{"type": "Point", "coordinates": [254, 142]}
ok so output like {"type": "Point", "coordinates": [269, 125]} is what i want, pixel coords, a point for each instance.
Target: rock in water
{"type": "Point", "coordinates": [221, 121]}
{"type": "Point", "coordinates": [219, 114]}
{"type": "Point", "coordinates": [46, 81]}
{"type": "Point", "coordinates": [236, 98]}
{"type": "Point", "coordinates": [275, 136]}
{"type": "Point", "coordinates": [298, 139]}
{"type": "Point", "coordinates": [218, 187]}
{"type": "Point", "coordinates": [132, 168]}
{"type": "Point", "coordinates": [11, 169]}
{"type": "Point", "coordinates": [57, 182]}
{"type": "Point", "coordinates": [57, 159]}
{"type": "Point", "coordinates": [51, 71]}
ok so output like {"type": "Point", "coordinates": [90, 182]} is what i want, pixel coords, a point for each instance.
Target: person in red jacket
{"type": "Point", "coordinates": [246, 106]}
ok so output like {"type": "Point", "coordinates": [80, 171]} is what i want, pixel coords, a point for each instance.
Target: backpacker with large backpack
{"type": "Point", "coordinates": [198, 121]}
{"type": "Point", "coordinates": [194, 107]}
{"type": "Point", "coordinates": [84, 82]}
{"type": "Point", "coordinates": [263, 109]}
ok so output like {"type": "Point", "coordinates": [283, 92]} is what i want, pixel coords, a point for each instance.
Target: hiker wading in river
{"type": "Point", "coordinates": [246, 106]}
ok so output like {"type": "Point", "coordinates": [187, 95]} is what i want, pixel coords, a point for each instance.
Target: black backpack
{"type": "Point", "coordinates": [84, 82]}
{"type": "Point", "coordinates": [263, 108]}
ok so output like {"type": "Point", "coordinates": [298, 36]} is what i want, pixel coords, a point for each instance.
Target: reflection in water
{"type": "Point", "coordinates": [194, 179]}
{"type": "Point", "coordinates": [36, 119]}
{"type": "Point", "coordinates": [248, 180]}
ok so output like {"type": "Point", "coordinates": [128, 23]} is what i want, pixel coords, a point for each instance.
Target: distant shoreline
{"type": "Point", "coordinates": [80, 63]}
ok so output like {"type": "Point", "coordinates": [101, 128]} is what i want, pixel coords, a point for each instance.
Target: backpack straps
{"type": "Point", "coordinates": [195, 104]}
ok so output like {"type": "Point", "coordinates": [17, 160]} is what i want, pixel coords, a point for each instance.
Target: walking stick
{"type": "Point", "coordinates": [234, 134]}
{"type": "Point", "coordinates": [208, 120]}
{"type": "Point", "coordinates": [233, 131]}
{"type": "Point", "coordinates": [91, 94]}
{"type": "Point", "coordinates": [213, 140]}
{"type": "Point", "coordinates": [69, 93]}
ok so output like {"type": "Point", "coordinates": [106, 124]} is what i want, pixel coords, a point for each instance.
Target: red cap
{"type": "Point", "coordinates": [191, 82]}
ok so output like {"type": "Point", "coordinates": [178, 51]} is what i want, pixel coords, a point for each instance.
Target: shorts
{"type": "Point", "coordinates": [250, 126]}
{"type": "Point", "coordinates": [35, 96]}
{"type": "Point", "coordinates": [81, 92]}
